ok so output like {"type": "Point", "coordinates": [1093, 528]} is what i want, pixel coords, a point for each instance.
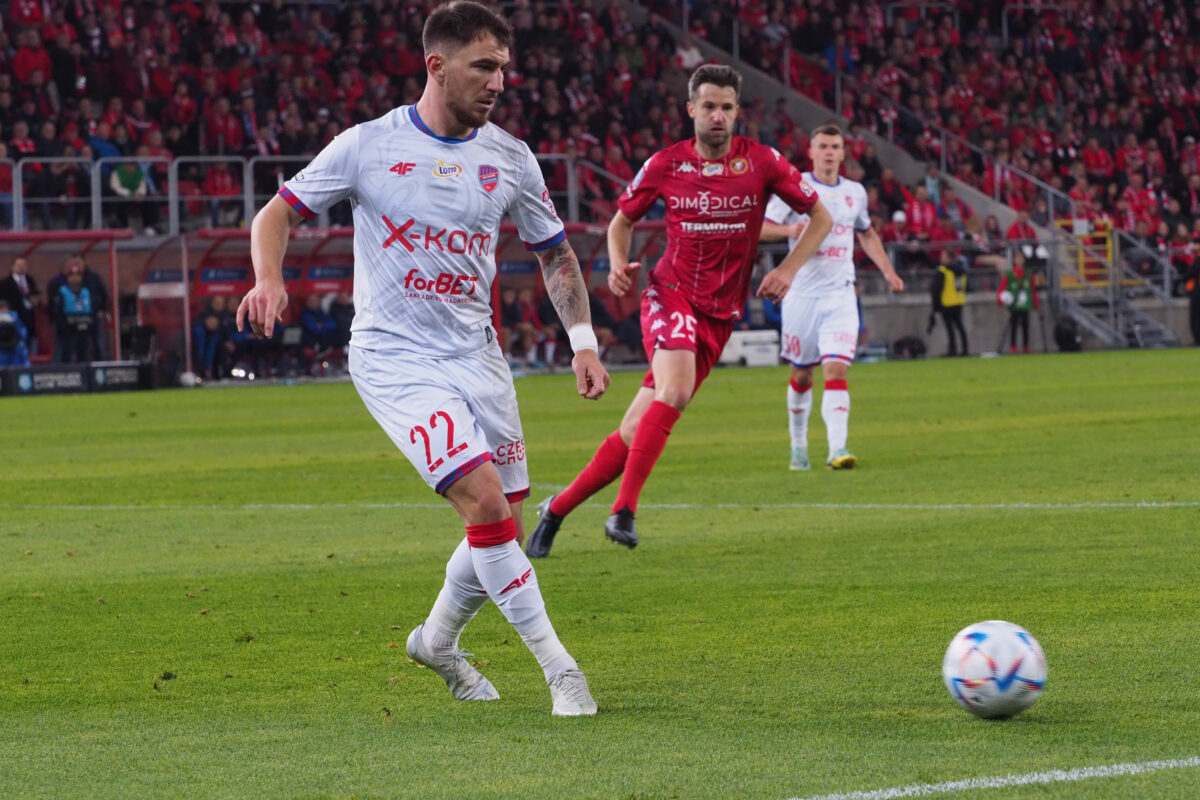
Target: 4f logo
{"type": "Point", "coordinates": [517, 583]}
{"type": "Point", "coordinates": [403, 167]}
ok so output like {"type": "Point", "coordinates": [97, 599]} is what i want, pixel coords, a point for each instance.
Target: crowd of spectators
{"type": "Point", "coordinates": [1097, 99]}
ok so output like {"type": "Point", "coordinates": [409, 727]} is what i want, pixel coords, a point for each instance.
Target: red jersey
{"type": "Point", "coordinates": [714, 214]}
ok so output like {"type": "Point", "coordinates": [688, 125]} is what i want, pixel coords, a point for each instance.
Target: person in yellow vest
{"type": "Point", "coordinates": [949, 295]}
{"type": "Point", "coordinates": [1018, 295]}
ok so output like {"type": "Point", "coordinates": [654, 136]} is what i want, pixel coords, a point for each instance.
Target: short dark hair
{"type": "Point", "coordinates": [829, 129]}
{"type": "Point", "coordinates": [461, 22]}
{"type": "Point", "coordinates": [718, 75]}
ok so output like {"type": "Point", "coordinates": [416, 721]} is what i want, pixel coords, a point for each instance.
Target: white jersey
{"type": "Point", "coordinates": [832, 267]}
{"type": "Point", "coordinates": [427, 213]}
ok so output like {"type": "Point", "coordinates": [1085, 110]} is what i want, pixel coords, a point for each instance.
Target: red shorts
{"type": "Point", "coordinates": [669, 322]}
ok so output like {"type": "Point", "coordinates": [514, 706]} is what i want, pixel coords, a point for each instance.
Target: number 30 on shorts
{"type": "Point", "coordinates": [685, 326]}
{"type": "Point", "coordinates": [452, 449]}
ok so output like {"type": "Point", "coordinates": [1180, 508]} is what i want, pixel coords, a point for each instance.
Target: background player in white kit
{"type": "Point", "coordinates": [820, 310]}
{"type": "Point", "coordinates": [429, 185]}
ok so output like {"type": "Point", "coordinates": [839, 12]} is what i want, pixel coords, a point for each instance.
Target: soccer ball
{"type": "Point", "coordinates": [994, 669]}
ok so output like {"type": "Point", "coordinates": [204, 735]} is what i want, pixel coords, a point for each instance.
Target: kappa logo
{"type": "Point", "coordinates": [517, 583]}
{"type": "Point", "coordinates": [710, 169]}
{"type": "Point", "coordinates": [443, 170]}
{"type": "Point", "coordinates": [658, 323]}
{"type": "Point", "coordinates": [655, 307]}
{"type": "Point", "coordinates": [686, 166]}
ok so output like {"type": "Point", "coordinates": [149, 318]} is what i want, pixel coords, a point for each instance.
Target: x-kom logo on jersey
{"type": "Point", "coordinates": [445, 240]}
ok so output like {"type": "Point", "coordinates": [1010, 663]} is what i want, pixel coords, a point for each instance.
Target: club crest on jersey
{"type": "Point", "coordinates": [443, 170]}
{"type": "Point", "coordinates": [686, 166]}
{"type": "Point", "coordinates": [489, 177]}
{"type": "Point", "coordinates": [739, 165]}
{"type": "Point", "coordinates": [850, 202]}
{"type": "Point", "coordinates": [709, 169]}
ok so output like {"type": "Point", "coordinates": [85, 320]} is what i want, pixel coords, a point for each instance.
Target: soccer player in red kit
{"type": "Point", "coordinates": [716, 187]}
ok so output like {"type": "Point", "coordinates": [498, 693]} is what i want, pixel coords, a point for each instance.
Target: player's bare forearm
{"type": "Point", "coordinates": [872, 245]}
{"type": "Point", "coordinates": [264, 303]}
{"type": "Point", "coordinates": [620, 236]}
{"type": "Point", "coordinates": [564, 285]}
{"type": "Point", "coordinates": [622, 273]}
{"type": "Point", "coordinates": [772, 232]}
{"type": "Point", "coordinates": [269, 238]}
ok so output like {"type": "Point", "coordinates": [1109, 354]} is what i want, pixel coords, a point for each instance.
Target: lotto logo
{"type": "Point", "coordinates": [444, 283]}
{"type": "Point", "coordinates": [455, 241]}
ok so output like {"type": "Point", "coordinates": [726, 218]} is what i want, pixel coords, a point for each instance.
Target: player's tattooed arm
{"type": "Point", "coordinates": [564, 284]}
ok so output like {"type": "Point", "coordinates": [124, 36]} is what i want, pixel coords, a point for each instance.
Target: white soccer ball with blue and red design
{"type": "Point", "coordinates": [994, 669]}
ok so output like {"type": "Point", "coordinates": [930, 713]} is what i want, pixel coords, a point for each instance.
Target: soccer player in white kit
{"type": "Point", "coordinates": [820, 310]}
{"type": "Point", "coordinates": [429, 185]}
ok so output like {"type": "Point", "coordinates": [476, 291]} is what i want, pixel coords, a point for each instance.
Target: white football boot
{"type": "Point", "coordinates": [570, 694]}
{"type": "Point", "coordinates": [465, 682]}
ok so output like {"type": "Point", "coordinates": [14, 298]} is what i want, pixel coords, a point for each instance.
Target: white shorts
{"type": "Point", "coordinates": [816, 329]}
{"type": "Point", "coordinates": [447, 415]}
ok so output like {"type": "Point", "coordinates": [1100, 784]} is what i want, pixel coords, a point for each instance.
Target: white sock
{"type": "Point", "coordinates": [511, 583]}
{"type": "Point", "coordinates": [835, 410]}
{"type": "Point", "coordinates": [799, 408]}
{"type": "Point", "coordinates": [457, 604]}
{"type": "Point", "coordinates": [551, 345]}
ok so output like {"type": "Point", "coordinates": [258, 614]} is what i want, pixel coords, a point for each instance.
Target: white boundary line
{"type": "Point", "coordinates": [659, 506]}
{"type": "Point", "coordinates": [1053, 776]}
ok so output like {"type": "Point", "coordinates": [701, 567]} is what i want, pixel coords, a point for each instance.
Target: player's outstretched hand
{"type": "Point", "coordinates": [262, 307]}
{"type": "Point", "coordinates": [797, 228]}
{"type": "Point", "coordinates": [895, 281]}
{"type": "Point", "coordinates": [620, 280]}
{"type": "Point", "coordinates": [774, 285]}
{"type": "Point", "coordinates": [591, 378]}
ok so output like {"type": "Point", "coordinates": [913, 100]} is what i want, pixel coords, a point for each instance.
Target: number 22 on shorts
{"type": "Point", "coordinates": [452, 449]}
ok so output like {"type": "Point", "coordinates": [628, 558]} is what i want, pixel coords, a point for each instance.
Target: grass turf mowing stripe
{"type": "Point", "coordinates": [656, 506]}
{"type": "Point", "coordinates": [1051, 776]}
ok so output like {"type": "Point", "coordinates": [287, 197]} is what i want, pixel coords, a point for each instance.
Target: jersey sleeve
{"type": "Point", "coordinates": [330, 177]}
{"type": "Point", "coordinates": [787, 183]}
{"type": "Point", "coordinates": [643, 190]}
{"type": "Point", "coordinates": [533, 211]}
{"type": "Point", "coordinates": [779, 212]}
{"type": "Point", "coordinates": [862, 222]}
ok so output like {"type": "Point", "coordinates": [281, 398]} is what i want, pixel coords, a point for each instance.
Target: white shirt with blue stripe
{"type": "Point", "coordinates": [427, 214]}
{"type": "Point", "coordinates": [832, 267]}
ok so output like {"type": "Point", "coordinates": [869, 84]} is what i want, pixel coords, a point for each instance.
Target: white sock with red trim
{"type": "Point", "coordinates": [457, 604]}
{"type": "Point", "coordinates": [799, 402]}
{"type": "Point", "coordinates": [835, 410]}
{"type": "Point", "coordinates": [509, 579]}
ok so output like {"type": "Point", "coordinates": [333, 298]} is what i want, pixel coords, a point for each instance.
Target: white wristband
{"type": "Point", "coordinates": [582, 337]}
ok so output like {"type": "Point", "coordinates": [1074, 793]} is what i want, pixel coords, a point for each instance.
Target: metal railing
{"type": "Point", "coordinates": [257, 178]}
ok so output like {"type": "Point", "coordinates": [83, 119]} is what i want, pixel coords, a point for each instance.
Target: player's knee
{"type": "Point", "coordinates": [801, 379]}
{"type": "Point", "coordinates": [677, 397]}
{"type": "Point", "coordinates": [835, 370]}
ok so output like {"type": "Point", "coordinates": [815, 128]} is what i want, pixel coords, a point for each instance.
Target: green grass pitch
{"type": "Point", "coordinates": [206, 594]}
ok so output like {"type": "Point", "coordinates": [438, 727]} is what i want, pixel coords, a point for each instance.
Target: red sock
{"type": "Point", "coordinates": [491, 534]}
{"type": "Point", "coordinates": [602, 470]}
{"type": "Point", "coordinates": [648, 443]}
